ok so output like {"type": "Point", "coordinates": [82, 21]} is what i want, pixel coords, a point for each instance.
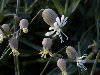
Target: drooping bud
{"type": "Point", "coordinates": [5, 27]}
{"type": "Point", "coordinates": [17, 19]}
{"type": "Point", "coordinates": [71, 52]}
{"type": "Point", "coordinates": [61, 63]}
{"type": "Point", "coordinates": [49, 16]}
{"type": "Point", "coordinates": [24, 25]}
{"type": "Point", "coordinates": [47, 42]}
{"type": "Point", "coordinates": [13, 43]}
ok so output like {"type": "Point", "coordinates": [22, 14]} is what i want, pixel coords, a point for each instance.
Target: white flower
{"type": "Point", "coordinates": [80, 62]}
{"type": "Point", "coordinates": [72, 53]}
{"type": "Point", "coordinates": [57, 28]}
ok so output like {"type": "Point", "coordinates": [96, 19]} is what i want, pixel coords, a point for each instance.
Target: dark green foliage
{"type": "Point", "coordinates": [82, 28]}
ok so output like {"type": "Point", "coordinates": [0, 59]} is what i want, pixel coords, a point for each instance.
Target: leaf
{"type": "Point", "coordinates": [55, 71]}
{"type": "Point", "coordinates": [73, 6]}
{"type": "Point", "coordinates": [25, 41]}
{"type": "Point", "coordinates": [58, 6]}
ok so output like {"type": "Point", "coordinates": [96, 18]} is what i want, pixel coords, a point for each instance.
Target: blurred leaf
{"type": "Point", "coordinates": [73, 6]}
{"type": "Point", "coordinates": [66, 8]}
{"type": "Point", "coordinates": [55, 71]}
{"type": "Point", "coordinates": [58, 6]}
{"type": "Point", "coordinates": [85, 39]}
{"type": "Point", "coordinates": [30, 44]}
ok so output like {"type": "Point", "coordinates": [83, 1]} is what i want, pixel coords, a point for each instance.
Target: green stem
{"type": "Point", "coordinates": [79, 49]}
{"type": "Point", "coordinates": [16, 65]}
{"type": "Point", "coordinates": [95, 62]}
{"type": "Point", "coordinates": [90, 56]}
{"type": "Point", "coordinates": [46, 66]}
{"type": "Point", "coordinates": [36, 15]}
{"type": "Point", "coordinates": [17, 13]}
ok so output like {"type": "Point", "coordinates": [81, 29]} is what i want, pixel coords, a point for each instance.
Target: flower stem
{"type": "Point", "coordinates": [17, 12]}
{"type": "Point", "coordinates": [16, 65]}
{"type": "Point", "coordinates": [95, 62]}
{"type": "Point", "coordinates": [36, 15]}
{"type": "Point", "coordinates": [46, 66]}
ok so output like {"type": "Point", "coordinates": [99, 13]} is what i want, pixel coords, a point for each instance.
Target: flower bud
{"type": "Point", "coordinates": [61, 63]}
{"type": "Point", "coordinates": [47, 42]}
{"type": "Point", "coordinates": [13, 43]}
{"type": "Point", "coordinates": [49, 16]}
{"type": "Point", "coordinates": [5, 27]}
{"type": "Point", "coordinates": [17, 19]}
{"type": "Point", "coordinates": [24, 25]}
{"type": "Point", "coordinates": [71, 52]}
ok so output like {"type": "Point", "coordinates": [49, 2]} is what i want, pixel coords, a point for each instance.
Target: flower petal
{"type": "Point", "coordinates": [62, 19]}
{"type": "Point", "coordinates": [49, 33]}
{"type": "Point", "coordinates": [58, 20]}
{"type": "Point", "coordinates": [56, 25]}
{"type": "Point", "coordinates": [51, 28]}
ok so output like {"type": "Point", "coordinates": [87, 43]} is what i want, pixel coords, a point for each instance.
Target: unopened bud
{"type": "Point", "coordinates": [71, 52]}
{"type": "Point", "coordinates": [61, 63]}
{"type": "Point", "coordinates": [17, 19]}
{"type": "Point", "coordinates": [13, 43]}
{"type": "Point", "coordinates": [24, 25]}
{"type": "Point", "coordinates": [47, 42]}
{"type": "Point", "coordinates": [5, 27]}
{"type": "Point", "coordinates": [49, 16]}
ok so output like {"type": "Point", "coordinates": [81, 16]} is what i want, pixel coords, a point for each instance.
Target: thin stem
{"type": "Point", "coordinates": [46, 66]}
{"type": "Point", "coordinates": [31, 6]}
{"type": "Point", "coordinates": [97, 26]}
{"type": "Point", "coordinates": [79, 71]}
{"type": "Point", "coordinates": [16, 65]}
{"type": "Point", "coordinates": [17, 12]}
{"type": "Point", "coordinates": [95, 62]}
{"type": "Point", "coordinates": [90, 56]}
{"type": "Point", "coordinates": [64, 34]}
{"type": "Point", "coordinates": [17, 7]}
{"type": "Point", "coordinates": [79, 49]}
{"type": "Point", "coordinates": [49, 61]}
{"type": "Point", "coordinates": [4, 53]}
{"type": "Point", "coordinates": [36, 15]}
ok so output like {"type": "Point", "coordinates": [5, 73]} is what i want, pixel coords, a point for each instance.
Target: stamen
{"type": "Point", "coordinates": [64, 35]}
{"type": "Point", "coordinates": [80, 64]}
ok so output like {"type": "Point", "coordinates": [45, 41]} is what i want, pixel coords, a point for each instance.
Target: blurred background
{"type": "Point", "coordinates": [82, 28]}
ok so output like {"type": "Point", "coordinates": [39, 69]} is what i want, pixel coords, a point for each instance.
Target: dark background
{"type": "Point", "coordinates": [83, 22]}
